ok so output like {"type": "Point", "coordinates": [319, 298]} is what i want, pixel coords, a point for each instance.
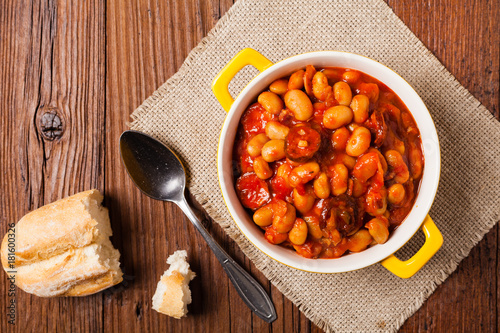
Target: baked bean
{"type": "Point", "coordinates": [350, 187]}
{"type": "Point", "coordinates": [358, 188]}
{"type": "Point", "coordinates": [279, 87]}
{"type": "Point", "coordinates": [415, 160]}
{"type": "Point", "coordinates": [342, 93]}
{"type": "Point", "coordinates": [298, 234]}
{"type": "Point", "coordinates": [276, 130]}
{"type": "Point", "coordinates": [275, 237]}
{"type": "Point", "coordinates": [322, 186]}
{"type": "Point", "coordinates": [284, 216]}
{"type": "Point", "coordinates": [378, 229]}
{"type": "Point", "coordinates": [406, 119]}
{"type": "Point", "coordinates": [273, 150]}
{"type": "Point", "coordinates": [376, 200]}
{"type": "Point", "coordinates": [359, 241]}
{"type": "Point", "coordinates": [352, 126]}
{"type": "Point", "coordinates": [348, 161]}
{"type": "Point", "coordinates": [313, 226]}
{"type": "Point", "coordinates": [359, 141]}
{"type": "Point", "coordinates": [398, 166]}
{"type": "Point", "coordinates": [351, 76]}
{"type": "Point", "coordinates": [370, 90]}
{"type": "Point", "coordinates": [254, 147]}
{"type": "Point", "coordinates": [303, 202]}
{"type": "Point", "coordinates": [308, 76]}
{"type": "Point", "coordinates": [409, 124]}
{"type": "Point", "coordinates": [339, 179]}
{"type": "Point", "coordinates": [381, 158]}
{"type": "Point", "coordinates": [303, 173]}
{"type": "Point", "coordinates": [263, 216]}
{"type": "Point", "coordinates": [396, 193]}
{"type": "Point", "coordinates": [284, 171]}
{"type": "Point", "coordinates": [337, 116]}
{"type": "Point", "coordinates": [393, 141]}
{"type": "Point", "coordinates": [399, 146]}
{"type": "Point", "coordinates": [320, 86]}
{"type": "Point", "coordinates": [366, 167]}
{"type": "Point", "coordinates": [299, 103]}
{"type": "Point", "coordinates": [296, 80]}
{"type": "Point", "coordinates": [271, 102]}
{"type": "Point", "coordinates": [333, 74]}
{"type": "Point", "coordinates": [340, 138]}
{"type": "Point", "coordinates": [360, 106]}
{"type": "Point", "coordinates": [261, 168]}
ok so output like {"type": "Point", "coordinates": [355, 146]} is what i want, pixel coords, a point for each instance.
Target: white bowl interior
{"type": "Point", "coordinates": [428, 185]}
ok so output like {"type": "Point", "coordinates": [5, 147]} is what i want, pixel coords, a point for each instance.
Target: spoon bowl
{"type": "Point", "coordinates": [154, 168]}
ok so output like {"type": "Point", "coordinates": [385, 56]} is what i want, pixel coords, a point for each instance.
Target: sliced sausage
{"type": "Point", "coordinates": [302, 143]}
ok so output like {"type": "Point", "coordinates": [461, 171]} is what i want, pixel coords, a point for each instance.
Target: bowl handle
{"type": "Point", "coordinates": [406, 269]}
{"type": "Point", "coordinates": [221, 82]}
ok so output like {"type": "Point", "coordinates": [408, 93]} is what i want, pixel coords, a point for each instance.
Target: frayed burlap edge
{"type": "Point", "coordinates": [238, 237]}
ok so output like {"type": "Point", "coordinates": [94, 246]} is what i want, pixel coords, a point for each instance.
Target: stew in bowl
{"type": "Point", "coordinates": [329, 161]}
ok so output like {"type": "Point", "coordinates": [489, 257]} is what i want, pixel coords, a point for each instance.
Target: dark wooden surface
{"type": "Point", "coordinates": [92, 63]}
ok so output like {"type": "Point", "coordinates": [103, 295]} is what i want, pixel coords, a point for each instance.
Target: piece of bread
{"type": "Point", "coordinates": [172, 294]}
{"type": "Point", "coordinates": [63, 248]}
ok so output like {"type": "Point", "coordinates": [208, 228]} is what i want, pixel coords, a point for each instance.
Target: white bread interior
{"type": "Point", "coordinates": [172, 294]}
{"type": "Point", "coordinates": [63, 248]}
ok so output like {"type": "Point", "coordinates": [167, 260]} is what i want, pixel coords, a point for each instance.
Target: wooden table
{"type": "Point", "coordinates": [89, 65]}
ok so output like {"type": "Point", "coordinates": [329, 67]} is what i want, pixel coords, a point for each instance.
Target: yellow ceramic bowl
{"type": "Point", "coordinates": [418, 216]}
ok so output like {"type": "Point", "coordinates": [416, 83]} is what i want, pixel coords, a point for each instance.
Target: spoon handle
{"type": "Point", "coordinates": [252, 293]}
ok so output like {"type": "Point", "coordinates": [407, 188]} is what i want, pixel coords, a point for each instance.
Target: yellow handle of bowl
{"type": "Point", "coordinates": [221, 82]}
{"type": "Point", "coordinates": [406, 269]}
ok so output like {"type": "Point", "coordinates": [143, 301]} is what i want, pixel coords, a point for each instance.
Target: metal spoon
{"type": "Point", "coordinates": [159, 173]}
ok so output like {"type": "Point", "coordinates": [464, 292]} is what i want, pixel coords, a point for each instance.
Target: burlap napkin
{"type": "Point", "coordinates": [185, 115]}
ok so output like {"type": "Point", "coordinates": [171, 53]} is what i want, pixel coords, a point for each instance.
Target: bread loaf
{"type": "Point", "coordinates": [63, 248]}
{"type": "Point", "coordinates": [172, 294]}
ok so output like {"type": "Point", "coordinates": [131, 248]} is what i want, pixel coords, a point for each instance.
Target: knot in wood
{"type": "Point", "coordinates": [50, 125]}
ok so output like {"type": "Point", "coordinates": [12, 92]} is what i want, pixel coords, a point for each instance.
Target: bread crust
{"type": "Point", "coordinates": [63, 248]}
{"type": "Point", "coordinates": [70, 225]}
{"type": "Point", "coordinates": [172, 304]}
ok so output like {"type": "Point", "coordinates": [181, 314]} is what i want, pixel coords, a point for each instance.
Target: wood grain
{"type": "Point", "coordinates": [92, 63]}
{"type": "Point", "coordinates": [53, 60]}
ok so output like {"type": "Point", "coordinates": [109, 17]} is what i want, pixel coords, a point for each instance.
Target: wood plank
{"type": "Point", "coordinates": [53, 57]}
{"type": "Point", "coordinates": [147, 42]}
{"type": "Point", "coordinates": [466, 40]}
